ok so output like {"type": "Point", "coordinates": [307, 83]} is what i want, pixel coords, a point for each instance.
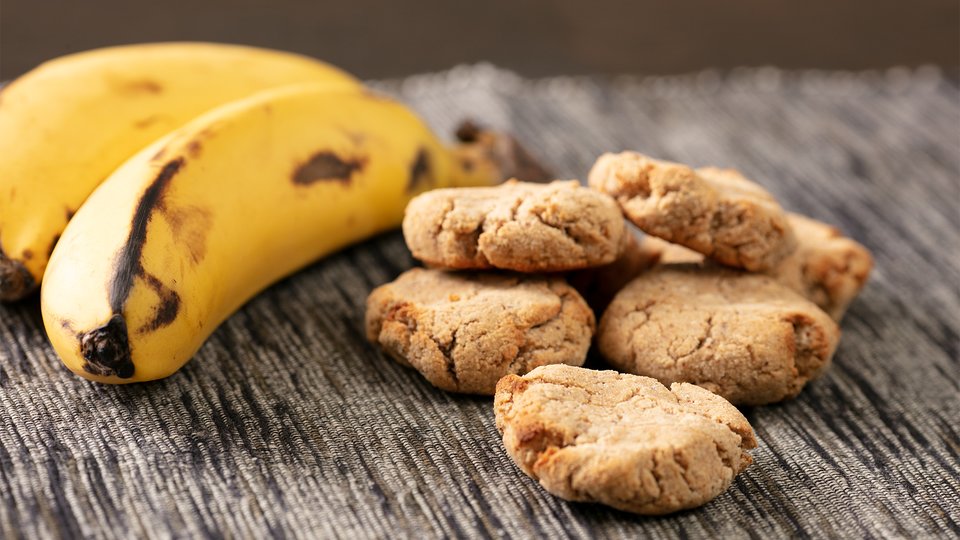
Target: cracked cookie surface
{"type": "Point", "coordinates": [517, 226]}
{"type": "Point", "coordinates": [827, 268]}
{"type": "Point", "coordinates": [622, 440]}
{"type": "Point", "coordinates": [746, 337]}
{"type": "Point", "coordinates": [464, 331]}
{"type": "Point", "coordinates": [716, 212]}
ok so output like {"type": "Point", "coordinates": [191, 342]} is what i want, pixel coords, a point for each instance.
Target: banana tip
{"type": "Point", "coordinates": [16, 281]}
{"type": "Point", "coordinates": [107, 350]}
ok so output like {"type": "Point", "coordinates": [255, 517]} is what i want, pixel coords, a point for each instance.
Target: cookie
{"type": "Point", "coordinates": [746, 337]}
{"type": "Point", "coordinates": [517, 226]}
{"type": "Point", "coordinates": [622, 440]}
{"type": "Point", "coordinates": [713, 211]}
{"type": "Point", "coordinates": [464, 331]}
{"type": "Point", "coordinates": [598, 285]}
{"type": "Point", "coordinates": [826, 267]}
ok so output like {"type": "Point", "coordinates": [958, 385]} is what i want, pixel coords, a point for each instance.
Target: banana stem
{"type": "Point", "coordinates": [16, 281]}
{"type": "Point", "coordinates": [502, 151]}
{"type": "Point", "coordinates": [107, 349]}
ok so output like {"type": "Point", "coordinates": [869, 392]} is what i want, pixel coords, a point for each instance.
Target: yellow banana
{"type": "Point", "coordinates": [69, 123]}
{"type": "Point", "coordinates": [190, 228]}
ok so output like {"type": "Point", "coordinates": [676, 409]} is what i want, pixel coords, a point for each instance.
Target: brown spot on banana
{"type": "Point", "coordinates": [106, 349]}
{"type": "Point", "coordinates": [194, 147]}
{"type": "Point", "coordinates": [146, 122]}
{"type": "Point", "coordinates": [358, 139]}
{"type": "Point", "coordinates": [142, 86]}
{"type": "Point", "coordinates": [421, 173]}
{"type": "Point", "coordinates": [168, 307]}
{"type": "Point", "coordinates": [327, 166]}
{"type": "Point", "coordinates": [190, 225]}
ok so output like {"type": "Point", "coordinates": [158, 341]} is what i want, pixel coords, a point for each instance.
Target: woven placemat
{"type": "Point", "coordinates": [288, 424]}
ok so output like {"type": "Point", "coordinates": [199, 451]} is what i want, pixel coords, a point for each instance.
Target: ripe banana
{"type": "Point", "coordinates": [190, 228]}
{"type": "Point", "coordinates": [69, 123]}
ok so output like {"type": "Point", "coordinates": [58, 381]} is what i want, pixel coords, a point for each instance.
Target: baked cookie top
{"type": "Point", "coordinates": [746, 337]}
{"type": "Point", "coordinates": [517, 226]}
{"type": "Point", "coordinates": [714, 211]}
{"type": "Point", "coordinates": [622, 440]}
{"type": "Point", "coordinates": [464, 331]}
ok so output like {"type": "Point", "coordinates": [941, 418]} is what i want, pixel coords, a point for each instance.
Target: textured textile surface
{"type": "Point", "coordinates": [288, 424]}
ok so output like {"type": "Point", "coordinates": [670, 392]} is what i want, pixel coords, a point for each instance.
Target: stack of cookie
{"type": "Point", "coordinates": [728, 300]}
{"type": "Point", "coordinates": [746, 299]}
{"type": "Point", "coordinates": [492, 301]}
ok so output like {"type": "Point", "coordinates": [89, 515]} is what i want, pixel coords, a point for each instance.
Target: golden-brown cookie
{"type": "Point", "coordinates": [747, 337]}
{"type": "Point", "coordinates": [517, 226]}
{"type": "Point", "coordinates": [622, 440]}
{"type": "Point", "coordinates": [826, 267]}
{"type": "Point", "coordinates": [463, 331]}
{"type": "Point", "coordinates": [713, 211]}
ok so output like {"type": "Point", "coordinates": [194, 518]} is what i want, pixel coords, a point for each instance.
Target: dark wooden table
{"type": "Point", "coordinates": [289, 424]}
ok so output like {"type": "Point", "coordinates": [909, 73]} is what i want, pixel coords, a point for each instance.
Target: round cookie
{"type": "Point", "coordinates": [517, 226]}
{"type": "Point", "coordinates": [716, 212]}
{"type": "Point", "coordinates": [464, 331]}
{"type": "Point", "coordinates": [746, 337]}
{"type": "Point", "coordinates": [622, 440]}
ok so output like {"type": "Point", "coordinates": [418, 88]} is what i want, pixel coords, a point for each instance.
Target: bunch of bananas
{"type": "Point", "coordinates": [153, 189]}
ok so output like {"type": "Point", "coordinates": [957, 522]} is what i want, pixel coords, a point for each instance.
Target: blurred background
{"type": "Point", "coordinates": [534, 37]}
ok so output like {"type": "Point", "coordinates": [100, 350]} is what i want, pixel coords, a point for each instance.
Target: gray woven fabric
{"type": "Point", "coordinates": [288, 424]}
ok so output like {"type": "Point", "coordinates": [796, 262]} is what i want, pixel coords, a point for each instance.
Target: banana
{"type": "Point", "coordinates": [190, 228]}
{"type": "Point", "coordinates": [69, 123]}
